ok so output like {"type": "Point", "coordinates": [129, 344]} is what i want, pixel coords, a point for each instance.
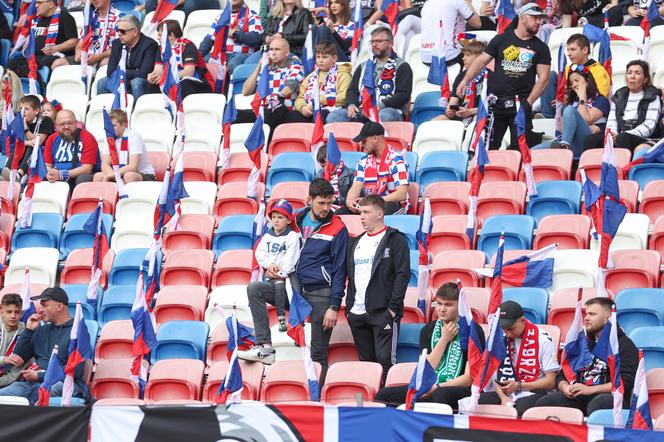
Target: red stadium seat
{"type": "Point", "coordinates": [9, 206]}
{"type": "Point", "coordinates": [504, 165]}
{"type": "Point", "coordinates": [232, 200]}
{"type": "Point", "coordinates": [291, 137]}
{"type": "Point", "coordinates": [591, 161]}
{"type": "Point", "coordinates": [655, 381]}
{"type": "Point", "coordinates": [239, 168]}
{"type": "Point", "coordinates": [172, 379]}
{"type": "Point", "coordinates": [448, 198]}
{"type": "Point", "coordinates": [113, 380]}
{"type": "Point", "coordinates": [342, 346]}
{"type": "Point", "coordinates": [399, 134]}
{"type": "Point", "coordinates": [7, 222]}
{"type": "Point", "coordinates": [181, 303]}
{"type": "Point", "coordinates": [217, 350]}
{"type": "Point", "coordinates": [411, 313]}
{"type": "Point", "coordinates": [400, 374]}
{"type": "Point", "coordinates": [295, 192]}
{"type": "Point", "coordinates": [160, 162]}
{"type": "Point", "coordinates": [633, 269]}
{"type": "Point", "coordinates": [345, 379]}
{"type": "Point", "coordinates": [478, 299]}
{"type": "Point", "coordinates": [252, 375]}
{"type": "Point", "coordinates": [657, 238]}
{"type": "Point", "coordinates": [121, 401]}
{"type": "Point", "coordinates": [344, 134]}
{"type": "Point", "coordinates": [569, 231]}
{"type": "Point", "coordinates": [496, 411]}
{"type": "Point", "coordinates": [449, 233]}
{"type": "Point", "coordinates": [188, 267]}
{"type": "Point", "coordinates": [554, 332]}
{"type": "Point", "coordinates": [558, 414]}
{"type": "Point", "coordinates": [353, 224]}
{"type": "Point", "coordinates": [629, 194]}
{"type": "Point", "coordinates": [199, 166]}
{"type": "Point", "coordinates": [286, 381]}
{"type": "Point", "coordinates": [550, 164]}
{"type": "Point", "coordinates": [563, 303]}
{"type": "Point", "coordinates": [85, 198]}
{"type": "Point", "coordinates": [455, 264]}
{"type": "Point", "coordinates": [78, 264]}
{"type": "Point", "coordinates": [195, 232]}
{"type": "Point", "coordinates": [233, 268]}
{"type": "Point", "coordinates": [652, 201]}
{"type": "Point", "coordinates": [115, 341]}
{"type": "Point", "coordinates": [35, 289]}
{"type": "Point", "coordinates": [413, 197]}
{"type": "Point", "coordinates": [501, 198]}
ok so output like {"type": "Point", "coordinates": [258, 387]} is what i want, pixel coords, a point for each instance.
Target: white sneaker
{"type": "Point", "coordinates": [258, 353]}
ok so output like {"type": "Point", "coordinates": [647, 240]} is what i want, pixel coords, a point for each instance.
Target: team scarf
{"type": "Point", "coordinates": [242, 14]}
{"type": "Point", "coordinates": [381, 173]}
{"type": "Point", "coordinates": [333, 178]}
{"type": "Point", "coordinates": [53, 27]}
{"type": "Point", "coordinates": [10, 348]}
{"type": "Point", "coordinates": [450, 365]}
{"type": "Point", "coordinates": [386, 84]}
{"type": "Point", "coordinates": [178, 50]}
{"type": "Point", "coordinates": [470, 95]}
{"type": "Point", "coordinates": [105, 36]}
{"type": "Point", "coordinates": [123, 153]}
{"type": "Point", "coordinates": [527, 367]}
{"type": "Point", "coordinates": [329, 88]}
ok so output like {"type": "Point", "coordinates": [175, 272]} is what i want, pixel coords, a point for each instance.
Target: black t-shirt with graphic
{"type": "Point", "coordinates": [66, 31]}
{"type": "Point", "coordinates": [516, 63]}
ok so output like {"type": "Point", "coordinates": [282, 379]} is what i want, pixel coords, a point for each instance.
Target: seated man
{"type": "Point", "coordinates": [12, 327]}
{"type": "Point", "coordinates": [38, 341]}
{"type": "Point", "coordinates": [441, 339]}
{"type": "Point", "coordinates": [244, 35]}
{"type": "Point", "coordinates": [134, 162]}
{"type": "Point", "coordinates": [529, 371]}
{"type": "Point", "coordinates": [142, 51]}
{"type": "Point", "coordinates": [341, 179]}
{"type": "Point", "coordinates": [105, 18]}
{"type": "Point", "coordinates": [591, 390]}
{"type": "Point", "coordinates": [70, 154]}
{"type": "Point", "coordinates": [393, 80]}
{"type": "Point", "coordinates": [381, 171]}
{"type": "Point", "coordinates": [332, 80]}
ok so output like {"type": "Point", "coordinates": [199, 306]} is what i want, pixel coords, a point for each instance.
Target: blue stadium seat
{"type": "Point", "coordinates": [116, 303]}
{"type": "Point", "coordinates": [234, 232]}
{"type": "Point", "coordinates": [44, 73]}
{"type": "Point", "coordinates": [534, 302]}
{"type": "Point", "coordinates": [640, 308]}
{"type": "Point", "coordinates": [350, 159]}
{"type": "Point", "coordinates": [126, 266]}
{"type": "Point", "coordinates": [555, 198]}
{"type": "Point", "coordinates": [408, 345]}
{"type": "Point", "coordinates": [57, 402]}
{"type": "Point", "coordinates": [181, 340]}
{"type": "Point", "coordinates": [649, 339]}
{"type": "Point", "coordinates": [290, 166]}
{"type": "Point", "coordinates": [412, 160]}
{"type": "Point", "coordinates": [124, 5]}
{"type": "Point", "coordinates": [44, 232]}
{"type": "Point", "coordinates": [93, 330]}
{"type": "Point", "coordinates": [240, 74]}
{"type": "Point", "coordinates": [5, 47]}
{"type": "Point", "coordinates": [79, 292]}
{"type": "Point", "coordinates": [645, 173]}
{"type": "Point", "coordinates": [444, 165]}
{"type": "Point", "coordinates": [518, 231]}
{"type": "Point", "coordinates": [605, 417]}
{"type": "Point", "coordinates": [3, 160]}
{"type": "Point", "coordinates": [75, 238]}
{"type": "Point", "coordinates": [427, 105]}
{"type": "Point", "coordinates": [414, 264]}
{"type": "Point", "coordinates": [406, 224]}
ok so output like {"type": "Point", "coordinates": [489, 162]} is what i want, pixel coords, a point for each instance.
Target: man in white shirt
{"type": "Point", "coordinates": [134, 162]}
{"type": "Point", "coordinates": [447, 11]}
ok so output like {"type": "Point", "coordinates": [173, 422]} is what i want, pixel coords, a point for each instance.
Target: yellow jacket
{"type": "Point", "coordinates": [601, 77]}
{"type": "Point", "coordinates": [343, 82]}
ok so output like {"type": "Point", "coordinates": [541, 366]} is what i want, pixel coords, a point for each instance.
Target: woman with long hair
{"type": "Point", "coordinates": [287, 19]}
{"type": "Point", "coordinates": [337, 28]}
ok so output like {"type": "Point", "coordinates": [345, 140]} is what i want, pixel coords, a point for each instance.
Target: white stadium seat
{"type": "Point", "coordinates": [284, 346]}
{"type": "Point", "coordinates": [66, 80]}
{"type": "Point", "coordinates": [161, 141]}
{"type": "Point", "coordinates": [50, 197]}
{"type": "Point", "coordinates": [95, 116]}
{"type": "Point", "coordinates": [203, 110]}
{"type": "Point", "coordinates": [199, 24]}
{"type": "Point", "coordinates": [77, 103]}
{"type": "Point", "coordinates": [239, 133]}
{"type": "Point", "coordinates": [438, 135]}
{"type": "Point", "coordinates": [225, 297]}
{"type": "Point", "coordinates": [101, 73]}
{"type": "Point", "coordinates": [632, 234]}
{"type": "Point", "coordinates": [201, 197]}
{"type": "Point", "coordinates": [150, 114]}
{"type": "Point", "coordinates": [42, 262]}
{"type": "Point", "coordinates": [575, 268]}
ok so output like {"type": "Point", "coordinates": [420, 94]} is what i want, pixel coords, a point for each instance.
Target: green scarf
{"type": "Point", "coordinates": [450, 365]}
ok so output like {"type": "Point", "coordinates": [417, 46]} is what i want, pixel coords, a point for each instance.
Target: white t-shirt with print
{"type": "Point", "coordinates": [136, 146]}
{"type": "Point", "coordinates": [363, 258]}
{"type": "Point", "coordinates": [447, 11]}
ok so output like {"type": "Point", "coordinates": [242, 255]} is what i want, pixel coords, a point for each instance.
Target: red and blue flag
{"type": "Point", "coordinates": [479, 146]}
{"type": "Point", "coordinates": [532, 270]}
{"type": "Point", "coordinates": [144, 335]}
{"type": "Point", "coordinates": [504, 15]}
{"type": "Point", "coordinates": [423, 379]}
{"type": "Point", "coordinates": [218, 55]}
{"type": "Point", "coordinates": [55, 373]}
{"type": "Point", "coordinates": [28, 306]}
{"type": "Point", "coordinates": [655, 154]}
{"type": "Point", "coordinates": [230, 117]}
{"type": "Point", "coordinates": [358, 34]}
{"type": "Point", "coordinates": [639, 413]}
{"type": "Point", "coordinates": [521, 128]}
{"type": "Point", "coordinates": [560, 89]}
{"type": "Point", "coordinates": [390, 10]}
{"type": "Point", "coordinates": [231, 386]}
{"type": "Point", "coordinates": [369, 100]}
{"type": "Point", "coordinates": [438, 69]}
{"type": "Point", "coordinates": [423, 237]}
{"type": "Point", "coordinates": [319, 126]}
{"type": "Point", "coordinates": [332, 157]}
{"type": "Point", "coordinates": [254, 143]}
{"type": "Point", "coordinates": [608, 350]}
{"type": "Point", "coordinates": [94, 226]}
{"type": "Point", "coordinates": [576, 355]}
{"type": "Point", "coordinates": [308, 53]}
{"type": "Point", "coordinates": [164, 7]}
{"type": "Point", "coordinates": [31, 56]}
{"type": "Point", "coordinates": [79, 352]}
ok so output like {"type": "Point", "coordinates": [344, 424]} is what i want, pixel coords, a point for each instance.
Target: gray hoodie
{"type": "Point", "coordinates": [9, 373]}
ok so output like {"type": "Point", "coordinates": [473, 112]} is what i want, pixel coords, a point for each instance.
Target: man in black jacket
{"type": "Point", "coordinates": [592, 388]}
{"type": "Point", "coordinates": [378, 272]}
{"type": "Point", "coordinates": [141, 55]}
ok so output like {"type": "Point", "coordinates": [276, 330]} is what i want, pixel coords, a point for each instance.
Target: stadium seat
{"type": "Point", "coordinates": [233, 268]}
{"type": "Point", "coordinates": [656, 240]}
{"type": "Point", "coordinates": [629, 193]}
{"type": "Point", "coordinates": [78, 293]}
{"type": "Point", "coordinates": [201, 197]}
{"type": "Point", "coordinates": [94, 119]}
{"type": "Point", "coordinates": [426, 107]}
{"type": "Point", "coordinates": [534, 302]}
{"type": "Point", "coordinates": [176, 15]}
{"type": "Point", "coordinates": [186, 266]}
{"type": "Point", "coordinates": [345, 380]}
{"type": "Point", "coordinates": [218, 347]}
{"type": "Point", "coordinates": [455, 264]}
{"type": "Point", "coordinates": [42, 262]}
{"type": "Point", "coordinates": [478, 299]}
{"type": "Point", "coordinates": [449, 233]}
{"type": "Point", "coordinates": [252, 375]}
{"type": "Point", "coordinates": [16, 288]}
{"type": "Point", "coordinates": [7, 221]}
{"type": "Point", "coordinates": [411, 159]}
{"type": "Point", "coordinates": [45, 231]}
{"type": "Point", "coordinates": [563, 303]}
{"type": "Point", "coordinates": [353, 224]}
{"type": "Point", "coordinates": [65, 81]}
{"type": "Point", "coordinates": [296, 192]}
{"type": "Point", "coordinates": [290, 166]}
{"type": "Point", "coordinates": [648, 339]}
{"type": "Point", "coordinates": [175, 379]}
{"type": "Point", "coordinates": [342, 345]}
{"type": "Point", "coordinates": [74, 237]}
{"type": "Point", "coordinates": [344, 134]}
{"type": "Point", "coordinates": [569, 231]}
{"type": "Point", "coordinates": [126, 266]}
{"type": "Point", "coordinates": [132, 232]}
{"type": "Point", "coordinates": [112, 380]}
{"type": "Point", "coordinates": [591, 161]}
{"type": "Point", "coordinates": [198, 25]}
{"type": "Point", "coordinates": [78, 264]}
{"type": "Point", "coordinates": [115, 341]}
{"type": "Point", "coordinates": [501, 198]}
{"type": "Point", "coordinates": [438, 135]}
{"type": "Point", "coordinates": [518, 231]}
{"type": "Point", "coordinates": [633, 269]}
{"type": "Point", "coordinates": [442, 166]}
{"type": "Point", "coordinates": [605, 417]}
{"type": "Point", "coordinates": [655, 381]}
{"type": "Point", "coordinates": [411, 313]}
{"type": "Point", "coordinates": [652, 199]}
{"type": "Point", "coordinates": [240, 74]}
{"type": "Point", "coordinates": [399, 134]}
{"type": "Point", "coordinates": [406, 224]}
{"type": "Point", "coordinates": [10, 206]}
{"type": "Point", "coordinates": [232, 200]}
{"type": "Point", "coordinates": [504, 165]}
{"type": "Point", "coordinates": [646, 173]}
{"type": "Point", "coordinates": [574, 268]}
{"type": "Point", "coordinates": [203, 110]}
{"type": "Point", "coordinates": [640, 307]}
{"type": "Point", "coordinates": [286, 381]}
{"type": "Point", "coordinates": [234, 232]}
{"type": "Point", "coordinates": [181, 340]}
{"type": "Point", "coordinates": [117, 303]}
{"type": "Point", "coordinates": [239, 134]}
{"type": "Point", "coordinates": [160, 162]}
{"type": "Point", "coordinates": [400, 374]}
{"type": "Point", "coordinates": [86, 196]}
{"type": "Point", "coordinates": [448, 198]}
{"type": "Point", "coordinates": [291, 137]}
{"type": "Point", "coordinates": [196, 233]}
{"type": "Point", "coordinates": [199, 166]}
{"type": "Point", "coordinates": [496, 411]}
{"type": "Point", "coordinates": [173, 306]}
{"type": "Point", "coordinates": [555, 198]}
{"type": "Point", "coordinates": [284, 346]}
{"type": "Point", "coordinates": [201, 139]}
{"type": "Point", "coordinates": [632, 233]}
{"type": "Point", "coordinates": [558, 414]}
{"type": "Point", "coordinates": [550, 165]}
{"type": "Point", "coordinates": [226, 298]}
{"type": "Point", "coordinates": [408, 344]}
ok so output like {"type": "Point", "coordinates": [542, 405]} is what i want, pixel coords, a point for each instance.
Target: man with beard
{"type": "Point", "coordinates": [70, 154]}
{"type": "Point", "coordinates": [321, 272]}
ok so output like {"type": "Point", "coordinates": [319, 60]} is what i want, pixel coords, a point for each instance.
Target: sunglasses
{"type": "Point", "coordinates": [124, 31]}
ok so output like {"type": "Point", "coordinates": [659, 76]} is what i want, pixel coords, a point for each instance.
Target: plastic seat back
{"type": "Point", "coordinates": [175, 379]}
{"type": "Point", "coordinates": [534, 301]}
{"type": "Point", "coordinates": [181, 340]}
{"type": "Point", "coordinates": [569, 231]}
{"type": "Point", "coordinates": [234, 232]}
{"type": "Point", "coordinates": [649, 340]}
{"type": "Point", "coordinates": [518, 231]}
{"type": "Point", "coordinates": [555, 198]}
{"type": "Point", "coordinates": [640, 307]}
{"type": "Point", "coordinates": [345, 379]}
{"type": "Point", "coordinates": [286, 381]}
{"type": "Point", "coordinates": [408, 344]}
{"type": "Point", "coordinates": [117, 303]}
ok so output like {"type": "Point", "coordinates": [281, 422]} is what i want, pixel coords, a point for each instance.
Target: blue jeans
{"type": "Point", "coordinates": [136, 87]}
{"type": "Point", "coordinates": [386, 114]}
{"type": "Point", "coordinates": [30, 390]}
{"type": "Point", "coordinates": [548, 96]}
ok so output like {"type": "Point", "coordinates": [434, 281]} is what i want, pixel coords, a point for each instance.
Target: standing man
{"type": "Point", "coordinates": [522, 67]}
{"type": "Point", "coordinates": [592, 389]}
{"type": "Point", "coordinates": [141, 55]}
{"type": "Point", "coordinates": [378, 273]}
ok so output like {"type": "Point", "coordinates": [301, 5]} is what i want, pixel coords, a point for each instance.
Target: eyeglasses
{"type": "Point", "coordinates": [66, 123]}
{"type": "Point", "coordinates": [375, 42]}
{"type": "Point", "coordinates": [124, 31]}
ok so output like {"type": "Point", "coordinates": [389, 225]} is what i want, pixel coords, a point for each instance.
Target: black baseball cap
{"type": "Point", "coordinates": [369, 129]}
{"type": "Point", "coordinates": [54, 293]}
{"type": "Point", "coordinates": [510, 311]}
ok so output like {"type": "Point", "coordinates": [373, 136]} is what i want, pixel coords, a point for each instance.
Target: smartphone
{"type": "Point", "coordinates": [454, 107]}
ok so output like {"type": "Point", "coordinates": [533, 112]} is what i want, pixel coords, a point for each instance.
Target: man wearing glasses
{"type": "Point", "coordinates": [393, 79]}
{"type": "Point", "coordinates": [141, 56]}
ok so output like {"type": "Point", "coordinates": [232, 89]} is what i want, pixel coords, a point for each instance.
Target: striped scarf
{"type": "Point", "coordinates": [123, 154]}
{"type": "Point", "coordinates": [329, 88]}
{"type": "Point", "coordinates": [52, 33]}
{"type": "Point", "coordinates": [334, 178]}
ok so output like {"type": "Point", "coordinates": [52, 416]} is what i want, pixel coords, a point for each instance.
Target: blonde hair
{"type": "Point", "coordinates": [279, 9]}
{"type": "Point", "coordinates": [17, 90]}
